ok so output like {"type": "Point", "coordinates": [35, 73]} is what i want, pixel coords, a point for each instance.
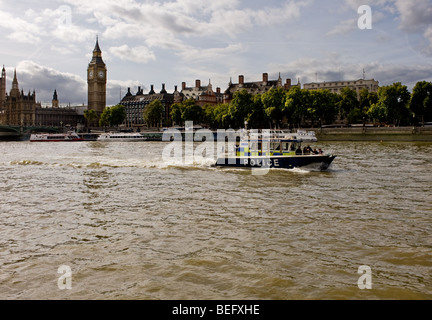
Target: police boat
{"type": "Point", "coordinates": [267, 151]}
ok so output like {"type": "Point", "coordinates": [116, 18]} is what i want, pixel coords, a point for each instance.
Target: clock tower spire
{"type": "Point", "coordinates": [96, 81]}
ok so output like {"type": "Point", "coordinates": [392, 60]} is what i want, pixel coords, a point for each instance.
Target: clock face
{"type": "Point", "coordinates": [101, 74]}
{"type": "Point", "coordinates": [91, 74]}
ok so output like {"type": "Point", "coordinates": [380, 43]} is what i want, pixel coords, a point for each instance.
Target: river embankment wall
{"type": "Point", "coordinates": [375, 134]}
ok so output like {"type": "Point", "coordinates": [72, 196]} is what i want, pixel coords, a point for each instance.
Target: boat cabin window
{"type": "Point", "coordinates": [275, 146]}
{"type": "Point", "coordinates": [294, 146]}
{"type": "Point", "coordinates": [259, 146]}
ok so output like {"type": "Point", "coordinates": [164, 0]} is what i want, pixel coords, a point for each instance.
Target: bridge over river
{"type": "Point", "coordinates": [21, 132]}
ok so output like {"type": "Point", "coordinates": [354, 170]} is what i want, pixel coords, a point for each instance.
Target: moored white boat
{"type": "Point", "coordinates": [55, 137]}
{"type": "Point", "coordinates": [120, 136]}
{"type": "Point", "coordinates": [308, 136]}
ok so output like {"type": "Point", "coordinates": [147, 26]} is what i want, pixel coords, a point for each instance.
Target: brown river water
{"type": "Point", "coordinates": [129, 226]}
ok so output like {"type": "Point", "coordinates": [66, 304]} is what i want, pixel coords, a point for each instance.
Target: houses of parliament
{"type": "Point", "coordinates": [20, 109]}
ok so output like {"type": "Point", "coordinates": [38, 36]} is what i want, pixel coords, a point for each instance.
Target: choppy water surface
{"type": "Point", "coordinates": [131, 227]}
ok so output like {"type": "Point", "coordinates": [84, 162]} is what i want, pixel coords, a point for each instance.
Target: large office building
{"type": "Point", "coordinates": [255, 87]}
{"type": "Point", "coordinates": [336, 86]}
{"type": "Point", "coordinates": [136, 103]}
{"type": "Point", "coordinates": [203, 95]}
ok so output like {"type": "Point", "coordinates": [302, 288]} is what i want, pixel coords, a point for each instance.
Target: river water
{"type": "Point", "coordinates": [129, 226]}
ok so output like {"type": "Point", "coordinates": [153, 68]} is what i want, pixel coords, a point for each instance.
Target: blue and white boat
{"type": "Point", "coordinates": [274, 151]}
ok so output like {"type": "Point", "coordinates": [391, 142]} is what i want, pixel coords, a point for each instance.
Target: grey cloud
{"type": "Point", "coordinates": [31, 76]}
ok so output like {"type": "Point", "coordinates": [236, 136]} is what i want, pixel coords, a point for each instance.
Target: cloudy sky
{"type": "Point", "coordinates": [153, 42]}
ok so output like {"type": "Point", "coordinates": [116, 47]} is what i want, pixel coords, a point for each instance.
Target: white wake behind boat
{"type": "Point", "coordinates": [120, 136]}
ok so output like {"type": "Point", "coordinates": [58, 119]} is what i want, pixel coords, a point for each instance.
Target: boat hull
{"type": "Point", "coordinates": [318, 162]}
{"type": "Point", "coordinates": [57, 140]}
{"type": "Point", "coordinates": [121, 137]}
{"type": "Point", "coordinates": [54, 137]}
{"type": "Point", "coordinates": [122, 140]}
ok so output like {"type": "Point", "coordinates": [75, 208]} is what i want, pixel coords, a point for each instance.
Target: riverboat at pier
{"type": "Point", "coordinates": [120, 136]}
{"type": "Point", "coordinates": [55, 137]}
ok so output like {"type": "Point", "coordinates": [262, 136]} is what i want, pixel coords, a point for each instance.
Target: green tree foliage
{"type": "Point", "coordinates": [318, 106]}
{"type": "Point", "coordinates": [296, 105]}
{"type": "Point", "coordinates": [176, 114]}
{"type": "Point", "coordinates": [274, 102]}
{"type": "Point", "coordinates": [191, 111]}
{"type": "Point", "coordinates": [322, 106]}
{"type": "Point", "coordinates": [187, 110]}
{"type": "Point", "coordinates": [356, 116]}
{"type": "Point", "coordinates": [394, 100]}
{"type": "Point", "coordinates": [348, 102]}
{"type": "Point", "coordinates": [90, 116]}
{"type": "Point", "coordinates": [153, 113]}
{"type": "Point", "coordinates": [367, 99]}
{"type": "Point", "coordinates": [421, 101]}
{"type": "Point", "coordinates": [240, 108]}
{"type": "Point", "coordinates": [112, 116]}
{"type": "Point", "coordinates": [105, 118]}
{"type": "Point", "coordinates": [118, 115]}
{"type": "Point", "coordinates": [257, 117]}
{"type": "Point", "coordinates": [222, 117]}
{"type": "Point", "coordinates": [208, 118]}
{"type": "Point", "coordinates": [377, 113]}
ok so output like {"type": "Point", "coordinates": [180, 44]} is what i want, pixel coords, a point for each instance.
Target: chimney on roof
{"type": "Point", "coordinates": [183, 85]}
{"type": "Point", "coordinates": [265, 77]}
{"type": "Point", "coordinates": [241, 79]}
{"type": "Point", "coordinates": [218, 90]}
{"type": "Point", "coordinates": [151, 89]}
{"type": "Point", "coordinates": [128, 93]}
{"type": "Point", "coordinates": [163, 88]}
{"type": "Point", "coordinates": [198, 84]}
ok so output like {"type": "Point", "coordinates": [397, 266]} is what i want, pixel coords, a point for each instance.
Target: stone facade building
{"type": "Point", "coordinates": [17, 108]}
{"type": "Point", "coordinates": [56, 116]}
{"type": "Point", "coordinates": [135, 104]}
{"type": "Point", "coordinates": [2, 87]}
{"type": "Point", "coordinates": [257, 87]}
{"type": "Point", "coordinates": [336, 86]}
{"type": "Point", "coordinates": [203, 95]}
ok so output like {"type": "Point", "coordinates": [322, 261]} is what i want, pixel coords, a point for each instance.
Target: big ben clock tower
{"type": "Point", "coordinates": [96, 81]}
